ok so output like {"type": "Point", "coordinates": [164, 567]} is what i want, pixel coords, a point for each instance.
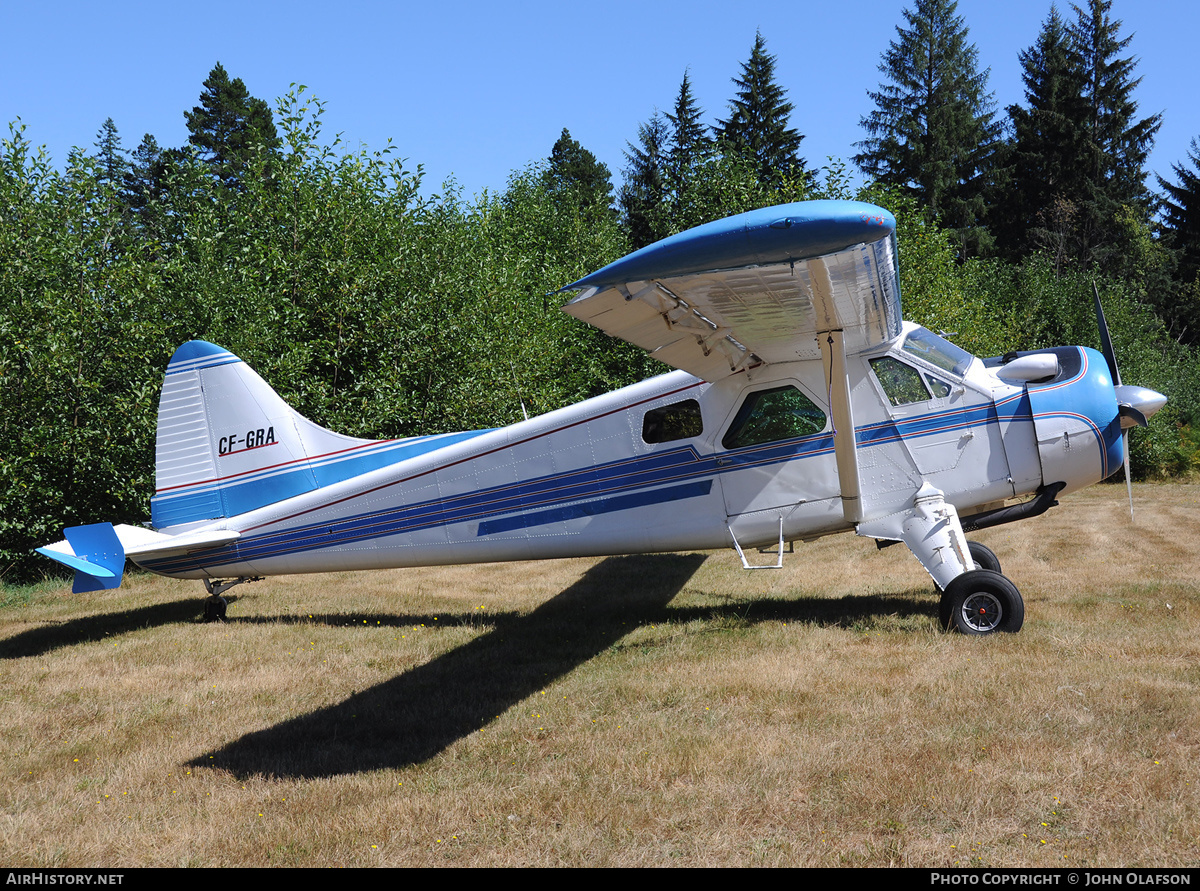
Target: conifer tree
{"type": "Point", "coordinates": [146, 188]}
{"type": "Point", "coordinates": [1182, 211]}
{"type": "Point", "coordinates": [110, 154]}
{"type": "Point", "coordinates": [757, 126]}
{"type": "Point", "coordinates": [689, 142]}
{"type": "Point", "coordinates": [575, 171]}
{"type": "Point", "coordinates": [1047, 180]}
{"type": "Point", "coordinates": [111, 172]}
{"type": "Point", "coordinates": [644, 195]}
{"type": "Point", "coordinates": [1118, 143]}
{"type": "Point", "coordinates": [230, 126]}
{"type": "Point", "coordinates": [933, 130]}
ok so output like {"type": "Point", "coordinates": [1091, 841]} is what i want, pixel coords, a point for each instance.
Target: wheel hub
{"type": "Point", "coordinates": [982, 611]}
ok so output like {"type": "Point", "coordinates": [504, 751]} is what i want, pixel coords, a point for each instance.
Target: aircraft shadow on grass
{"type": "Point", "coordinates": [89, 629]}
{"type": "Point", "coordinates": [418, 714]}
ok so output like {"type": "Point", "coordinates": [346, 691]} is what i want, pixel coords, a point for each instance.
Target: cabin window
{"type": "Point", "coordinates": [902, 383]}
{"type": "Point", "coordinates": [773, 415]}
{"type": "Point", "coordinates": [679, 420]}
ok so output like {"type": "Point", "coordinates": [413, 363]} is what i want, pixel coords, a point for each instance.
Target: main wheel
{"type": "Point", "coordinates": [982, 602]}
{"type": "Point", "coordinates": [984, 557]}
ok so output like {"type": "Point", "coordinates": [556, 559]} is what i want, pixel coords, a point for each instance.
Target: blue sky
{"type": "Point", "coordinates": [477, 90]}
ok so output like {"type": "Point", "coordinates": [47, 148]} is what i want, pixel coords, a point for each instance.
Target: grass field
{"type": "Point", "coordinates": [630, 711]}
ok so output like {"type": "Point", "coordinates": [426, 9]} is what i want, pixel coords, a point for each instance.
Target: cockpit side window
{"type": "Point", "coordinates": [773, 415]}
{"type": "Point", "coordinates": [679, 420]}
{"type": "Point", "coordinates": [938, 387]}
{"type": "Point", "coordinates": [902, 384]}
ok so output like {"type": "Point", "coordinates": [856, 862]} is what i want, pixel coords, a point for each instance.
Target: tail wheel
{"type": "Point", "coordinates": [982, 602]}
{"type": "Point", "coordinates": [214, 608]}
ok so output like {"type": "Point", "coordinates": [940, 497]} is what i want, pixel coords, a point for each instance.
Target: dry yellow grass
{"type": "Point", "coordinates": [632, 711]}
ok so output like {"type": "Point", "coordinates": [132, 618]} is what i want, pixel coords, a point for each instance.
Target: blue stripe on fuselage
{"type": "Point", "coordinates": [593, 508]}
{"type": "Point", "coordinates": [229, 497]}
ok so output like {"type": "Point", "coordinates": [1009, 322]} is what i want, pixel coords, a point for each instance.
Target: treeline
{"type": "Point", "coordinates": [1062, 175]}
{"type": "Point", "coordinates": [380, 311]}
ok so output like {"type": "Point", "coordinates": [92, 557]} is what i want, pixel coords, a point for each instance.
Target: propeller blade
{"type": "Point", "coordinates": [1135, 404]}
{"type": "Point", "coordinates": [1128, 477]}
{"type": "Point", "coordinates": [1106, 346]}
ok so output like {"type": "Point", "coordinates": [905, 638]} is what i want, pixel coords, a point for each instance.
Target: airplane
{"type": "Point", "coordinates": [801, 405]}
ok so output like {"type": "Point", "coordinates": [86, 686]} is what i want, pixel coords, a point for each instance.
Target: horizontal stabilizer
{"type": "Point", "coordinates": [94, 552]}
{"type": "Point", "coordinates": [79, 564]}
{"type": "Point", "coordinates": [147, 543]}
{"type": "Point", "coordinates": [97, 553]}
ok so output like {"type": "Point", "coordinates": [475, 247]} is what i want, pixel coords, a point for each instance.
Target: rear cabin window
{"type": "Point", "coordinates": [773, 415]}
{"type": "Point", "coordinates": [679, 420]}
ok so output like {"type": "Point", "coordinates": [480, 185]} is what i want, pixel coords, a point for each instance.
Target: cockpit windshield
{"type": "Point", "coordinates": [924, 344]}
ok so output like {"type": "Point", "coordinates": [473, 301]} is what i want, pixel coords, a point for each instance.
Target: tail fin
{"type": "Point", "coordinates": [228, 444]}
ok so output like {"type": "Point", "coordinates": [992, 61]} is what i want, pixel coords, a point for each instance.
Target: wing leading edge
{"type": "Point", "coordinates": [752, 289]}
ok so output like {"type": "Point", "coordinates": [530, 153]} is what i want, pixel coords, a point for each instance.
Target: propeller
{"type": "Point", "coordinates": [1134, 404]}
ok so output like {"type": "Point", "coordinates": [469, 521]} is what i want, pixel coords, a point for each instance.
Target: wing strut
{"type": "Point", "coordinates": [837, 378]}
{"type": "Point", "coordinates": [833, 354]}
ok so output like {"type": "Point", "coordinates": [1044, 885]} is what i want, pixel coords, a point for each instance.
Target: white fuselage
{"type": "Point", "coordinates": [584, 480]}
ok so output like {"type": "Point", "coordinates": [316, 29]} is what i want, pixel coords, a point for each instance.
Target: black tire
{"type": "Point", "coordinates": [214, 609]}
{"type": "Point", "coordinates": [984, 557]}
{"type": "Point", "coordinates": [982, 602]}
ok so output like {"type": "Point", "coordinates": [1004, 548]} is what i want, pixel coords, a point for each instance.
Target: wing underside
{"type": "Point", "coordinates": [716, 322]}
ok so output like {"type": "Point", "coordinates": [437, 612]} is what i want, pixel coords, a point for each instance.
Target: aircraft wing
{"type": "Point", "coordinates": [754, 288]}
